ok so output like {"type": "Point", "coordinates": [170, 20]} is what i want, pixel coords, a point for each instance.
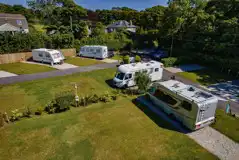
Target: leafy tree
{"type": "Point", "coordinates": [142, 80]}
{"type": "Point", "coordinates": [98, 30]}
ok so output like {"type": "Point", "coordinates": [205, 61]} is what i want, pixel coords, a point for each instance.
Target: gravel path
{"type": "Point", "coordinates": [216, 143]}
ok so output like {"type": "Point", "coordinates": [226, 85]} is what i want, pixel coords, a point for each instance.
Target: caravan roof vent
{"type": "Point", "coordinates": [176, 85]}
{"type": "Point", "coordinates": [133, 64]}
{"type": "Point", "coordinates": [147, 64]}
{"type": "Point", "coordinates": [191, 89]}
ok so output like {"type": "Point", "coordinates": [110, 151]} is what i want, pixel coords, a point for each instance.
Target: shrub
{"type": "Point", "coordinates": [39, 111]}
{"type": "Point", "coordinates": [16, 115]}
{"type": "Point", "coordinates": [27, 112]}
{"type": "Point", "coordinates": [169, 62]}
{"type": "Point", "coordinates": [63, 101]}
{"type": "Point", "coordinates": [137, 58]}
{"type": "Point", "coordinates": [142, 80]}
{"type": "Point", "coordinates": [126, 59]}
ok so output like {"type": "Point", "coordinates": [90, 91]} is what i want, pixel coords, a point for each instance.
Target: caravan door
{"type": "Point", "coordinates": [129, 80]}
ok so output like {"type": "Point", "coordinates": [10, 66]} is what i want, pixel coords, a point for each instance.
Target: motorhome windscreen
{"type": "Point", "coordinates": [120, 75]}
{"type": "Point", "coordinates": [165, 98]}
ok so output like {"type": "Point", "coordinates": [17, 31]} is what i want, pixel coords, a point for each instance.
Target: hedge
{"type": "Point", "coordinates": [26, 42]}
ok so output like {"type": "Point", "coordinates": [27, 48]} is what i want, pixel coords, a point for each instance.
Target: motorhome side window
{"type": "Point", "coordinates": [128, 76]}
{"type": "Point", "coordinates": [91, 50]}
{"type": "Point", "coordinates": [98, 50]}
{"type": "Point", "coordinates": [165, 97]}
{"type": "Point", "coordinates": [186, 105]}
{"type": "Point", "coordinates": [156, 69]}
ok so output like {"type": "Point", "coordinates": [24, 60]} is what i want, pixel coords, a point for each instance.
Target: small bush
{"type": "Point", "coordinates": [39, 111]}
{"type": "Point", "coordinates": [61, 103]}
{"type": "Point", "coordinates": [143, 81]}
{"type": "Point", "coordinates": [169, 62]}
{"type": "Point", "coordinates": [137, 58]}
{"type": "Point", "coordinates": [126, 59]}
{"type": "Point", "coordinates": [27, 113]}
{"type": "Point", "coordinates": [16, 115]}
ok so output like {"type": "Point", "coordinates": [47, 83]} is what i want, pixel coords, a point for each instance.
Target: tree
{"type": "Point", "coordinates": [142, 80]}
{"type": "Point", "coordinates": [98, 30]}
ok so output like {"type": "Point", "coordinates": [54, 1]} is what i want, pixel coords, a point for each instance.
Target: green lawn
{"type": "Point", "coordinates": [227, 125]}
{"type": "Point", "coordinates": [117, 57]}
{"type": "Point", "coordinates": [117, 130]}
{"type": "Point", "coordinates": [38, 93]}
{"type": "Point", "coordinates": [24, 68]}
{"type": "Point", "coordinates": [78, 61]}
{"type": "Point", "coordinates": [206, 76]}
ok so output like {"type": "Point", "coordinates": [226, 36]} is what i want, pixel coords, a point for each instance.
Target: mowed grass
{"type": "Point", "coordinates": [206, 76]}
{"type": "Point", "coordinates": [117, 130]}
{"type": "Point", "coordinates": [78, 61]}
{"type": "Point", "coordinates": [227, 125]}
{"type": "Point", "coordinates": [38, 93]}
{"type": "Point", "coordinates": [117, 57]}
{"type": "Point", "coordinates": [24, 68]}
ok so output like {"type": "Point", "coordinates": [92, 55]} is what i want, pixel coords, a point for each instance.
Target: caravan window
{"type": "Point", "coordinates": [87, 49]}
{"type": "Point", "coordinates": [82, 49]}
{"type": "Point", "coordinates": [186, 105]}
{"type": "Point", "coordinates": [92, 50]}
{"type": "Point", "coordinates": [156, 69]}
{"type": "Point", "coordinates": [48, 55]}
{"type": "Point", "coordinates": [98, 50]}
{"type": "Point", "coordinates": [40, 55]}
{"type": "Point", "coordinates": [165, 97]}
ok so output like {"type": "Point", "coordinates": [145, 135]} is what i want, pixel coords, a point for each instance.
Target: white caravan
{"type": "Point", "coordinates": [48, 56]}
{"type": "Point", "coordinates": [193, 107]}
{"type": "Point", "coordinates": [100, 52]}
{"type": "Point", "coordinates": [126, 73]}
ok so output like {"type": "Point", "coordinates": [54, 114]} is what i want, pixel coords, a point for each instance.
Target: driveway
{"type": "Point", "coordinates": [57, 66]}
{"type": "Point", "coordinates": [6, 74]}
{"type": "Point", "coordinates": [30, 77]}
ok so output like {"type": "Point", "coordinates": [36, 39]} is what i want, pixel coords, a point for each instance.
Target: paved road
{"type": "Point", "coordinates": [30, 77]}
{"type": "Point", "coordinates": [166, 75]}
{"type": "Point", "coordinates": [222, 104]}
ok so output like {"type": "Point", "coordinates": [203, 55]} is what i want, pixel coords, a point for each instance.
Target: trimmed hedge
{"type": "Point", "coordinates": [26, 42]}
{"type": "Point", "coordinates": [169, 62]}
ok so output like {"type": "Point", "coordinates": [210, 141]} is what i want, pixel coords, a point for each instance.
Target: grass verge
{"type": "Point", "coordinates": [78, 61]}
{"type": "Point", "coordinates": [227, 125]}
{"type": "Point", "coordinates": [24, 68]}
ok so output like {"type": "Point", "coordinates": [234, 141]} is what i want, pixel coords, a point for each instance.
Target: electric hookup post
{"type": "Point", "coordinates": [76, 96]}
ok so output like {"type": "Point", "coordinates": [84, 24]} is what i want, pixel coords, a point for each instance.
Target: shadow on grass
{"type": "Point", "coordinates": [110, 83]}
{"type": "Point", "coordinates": [160, 121]}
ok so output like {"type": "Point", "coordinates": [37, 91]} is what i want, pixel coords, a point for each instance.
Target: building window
{"type": "Point", "coordinates": [186, 105]}
{"type": "Point", "coordinates": [156, 69]}
{"type": "Point", "coordinates": [19, 22]}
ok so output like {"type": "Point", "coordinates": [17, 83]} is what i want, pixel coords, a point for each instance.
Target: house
{"type": "Point", "coordinates": [121, 25]}
{"type": "Point", "coordinates": [13, 23]}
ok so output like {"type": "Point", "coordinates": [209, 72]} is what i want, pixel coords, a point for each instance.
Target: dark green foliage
{"type": "Point", "coordinates": [26, 42]}
{"type": "Point", "coordinates": [39, 111]}
{"type": "Point", "coordinates": [169, 62]}
{"type": "Point", "coordinates": [61, 103]}
{"type": "Point", "coordinates": [27, 113]}
{"type": "Point", "coordinates": [126, 59]}
{"type": "Point", "coordinates": [142, 80]}
{"type": "Point", "coordinates": [137, 58]}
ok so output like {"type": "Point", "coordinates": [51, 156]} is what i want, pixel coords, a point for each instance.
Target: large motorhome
{"type": "Point", "coordinates": [126, 73]}
{"type": "Point", "coordinates": [48, 56]}
{"type": "Point", "coordinates": [99, 52]}
{"type": "Point", "coordinates": [193, 107]}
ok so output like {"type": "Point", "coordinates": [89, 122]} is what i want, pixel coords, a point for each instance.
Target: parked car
{"type": "Point", "coordinates": [158, 54]}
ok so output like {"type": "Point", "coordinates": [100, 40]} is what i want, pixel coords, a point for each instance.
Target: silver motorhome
{"type": "Point", "coordinates": [193, 107]}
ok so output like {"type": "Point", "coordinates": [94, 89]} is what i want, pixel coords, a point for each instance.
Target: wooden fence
{"type": "Point", "coordinates": [23, 56]}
